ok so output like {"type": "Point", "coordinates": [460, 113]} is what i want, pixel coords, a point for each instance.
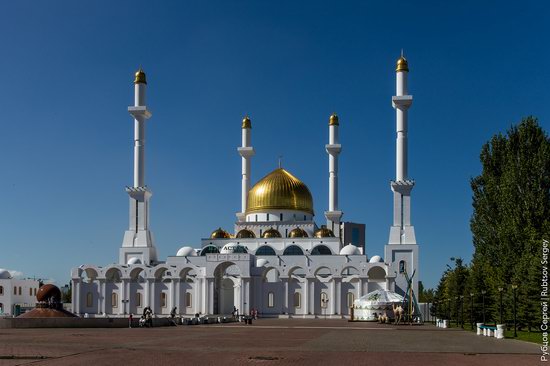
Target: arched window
{"type": "Point", "coordinates": [351, 297]}
{"type": "Point", "coordinates": [402, 266]}
{"type": "Point", "coordinates": [293, 250]}
{"type": "Point", "coordinates": [265, 250]}
{"type": "Point", "coordinates": [1, 290]}
{"type": "Point", "coordinates": [114, 300]}
{"type": "Point", "coordinates": [209, 250]}
{"type": "Point", "coordinates": [89, 299]}
{"type": "Point", "coordinates": [188, 299]}
{"type": "Point", "coordinates": [270, 300]}
{"type": "Point", "coordinates": [321, 250]}
{"type": "Point", "coordinates": [324, 300]}
{"type": "Point", "coordinates": [163, 299]}
{"type": "Point", "coordinates": [138, 299]}
{"type": "Point", "coordinates": [297, 300]}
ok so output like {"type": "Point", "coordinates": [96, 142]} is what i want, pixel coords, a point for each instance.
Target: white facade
{"type": "Point", "coordinates": [277, 261]}
{"type": "Point", "coordinates": [16, 292]}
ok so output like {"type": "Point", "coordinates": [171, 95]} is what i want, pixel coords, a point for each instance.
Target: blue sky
{"type": "Point", "coordinates": [66, 141]}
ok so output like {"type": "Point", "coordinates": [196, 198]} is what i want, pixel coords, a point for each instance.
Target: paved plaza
{"type": "Point", "coordinates": [266, 342]}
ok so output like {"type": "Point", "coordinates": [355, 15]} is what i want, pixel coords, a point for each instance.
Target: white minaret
{"type": "Point", "coordinates": [246, 151]}
{"type": "Point", "coordinates": [333, 148]}
{"type": "Point", "coordinates": [138, 242]}
{"type": "Point", "coordinates": [402, 251]}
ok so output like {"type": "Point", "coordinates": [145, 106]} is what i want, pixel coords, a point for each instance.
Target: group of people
{"type": "Point", "coordinates": [146, 320]}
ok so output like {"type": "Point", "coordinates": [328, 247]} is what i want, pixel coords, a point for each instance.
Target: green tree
{"type": "Point", "coordinates": [511, 201]}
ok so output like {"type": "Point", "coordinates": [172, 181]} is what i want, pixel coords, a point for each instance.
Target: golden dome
{"type": "Point", "coordinates": [297, 233]}
{"type": "Point", "coordinates": [219, 233]}
{"type": "Point", "coordinates": [246, 123]}
{"type": "Point", "coordinates": [333, 120]}
{"type": "Point", "coordinates": [140, 77]}
{"type": "Point", "coordinates": [245, 234]}
{"type": "Point", "coordinates": [402, 64]}
{"type": "Point", "coordinates": [279, 190]}
{"type": "Point", "coordinates": [271, 233]}
{"type": "Point", "coordinates": [323, 232]}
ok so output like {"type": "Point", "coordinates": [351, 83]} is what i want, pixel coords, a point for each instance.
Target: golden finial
{"type": "Point", "coordinates": [140, 77]}
{"type": "Point", "coordinates": [246, 122]}
{"type": "Point", "coordinates": [402, 64]}
{"type": "Point", "coordinates": [333, 120]}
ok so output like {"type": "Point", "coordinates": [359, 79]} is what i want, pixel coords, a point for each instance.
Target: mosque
{"type": "Point", "coordinates": [276, 259]}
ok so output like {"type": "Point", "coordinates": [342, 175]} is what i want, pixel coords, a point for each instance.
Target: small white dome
{"type": "Point", "coordinates": [134, 260]}
{"type": "Point", "coordinates": [186, 252]}
{"type": "Point", "coordinates": [376, 259]}
{"type": "Point", "coordinates": [350, 249]}
{"type": "Point", "coordinates": [230, 248]}
{"type": "Point", "coordinates": [4, 274]}
{"type": "Point", "coordinates": [261, 262]}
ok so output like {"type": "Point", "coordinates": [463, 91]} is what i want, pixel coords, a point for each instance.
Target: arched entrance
{"type": "Point", "coordinates": [226, 288]}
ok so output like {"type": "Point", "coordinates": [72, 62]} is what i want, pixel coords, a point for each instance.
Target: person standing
{"type": "Point", "coordinates": [130, 319]}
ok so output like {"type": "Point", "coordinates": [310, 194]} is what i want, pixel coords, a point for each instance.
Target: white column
{"type": "Point", "coordinates": [246, 151]}
{"type": "Point", "coordinates": [401, 102]}
{"type": "Point", "coordinates": [305, 288]}
{"type": "Point", "coordinates": [102, 296]}
{"type": "Point", "coordinates": [122, 297]}
{"type": "Point", "coordinates": [333, 148]}
{"type": "Point", "coordinates": [76, 296]}
{"type": "Point", "coordinates": [332, 298]}
{"type": "Point", "coordinates": [338, 299]}
{"type": "Point", "coordinates": [312, 296]}
{"type": "Point", "coordinates": [210, 282]}
{"type": "Point", "coordinates": [286, 308]}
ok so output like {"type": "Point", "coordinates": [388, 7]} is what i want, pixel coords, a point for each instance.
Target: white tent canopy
{"type": "Point", "coordinates": [375, 303]}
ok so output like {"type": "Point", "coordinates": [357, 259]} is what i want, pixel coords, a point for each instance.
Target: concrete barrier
{"type": "Point", "coordinates": [76, 322]}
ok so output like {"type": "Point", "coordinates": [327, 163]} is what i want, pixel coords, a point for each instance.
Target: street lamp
{"type": "Point", "coordinates": [500, 289]}
{"type": "Point", "coordinates": [472, 310]}
{"type": "Point", "coordinates": [514, 287]}
{"type": "Point", "coordinates": [483, 292]}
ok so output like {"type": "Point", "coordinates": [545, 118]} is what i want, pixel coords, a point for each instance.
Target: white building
{"type": "Point", "coordinates": [278, 260]}
{"type": "Point", "coordinates": [16, 293]}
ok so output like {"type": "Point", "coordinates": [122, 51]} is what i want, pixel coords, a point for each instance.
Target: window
{"type": "Point", "coordinates": [209, 249]}
{"type": "Point", "coordinates": [19, 290]}
{"type": "Point", "coordinates": [35, 291]}
{"type": "Point", "coordinates": [138, 298]}
{"type": "Point", "coordinates": [163, 299]}
{"type": "Point", "coordinates": [256, 218]}
{"type": "Point", "coordinates": [281, 217]}
{"type": "Point", "coordinates": [293, 250]}
{"type": "Point", "coordinates": [350, 299]}
{"type": "Point", "coordinates": [321, 250]}
{"type": "Point", "coordinates": [30, 291]}
{"type": "Point", "coordinates": [265, 250]}
{"type": "Point", "coordinates": [15, 290]}
{"type": "Point", "coordinates": [324, 300]}
{"type": "Point", "coordinates": [114, 300]}
{"type": "Point", "coordinates": [297, 300]}
{"type": "Point", "coordinates": [402, 266]}
{"type": "Point", "coordinates": [304, 217]}
{"type": "Point", "coordinates": [267, 217]}
{"type": "Point", "coordinates": [188, 299]}
{"type": "Point", "coordinates": [270, 300]}
{"type": "Point", "coordinates": [89, 299]}
{"type": "Point", "coordinates": [1, 290]}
